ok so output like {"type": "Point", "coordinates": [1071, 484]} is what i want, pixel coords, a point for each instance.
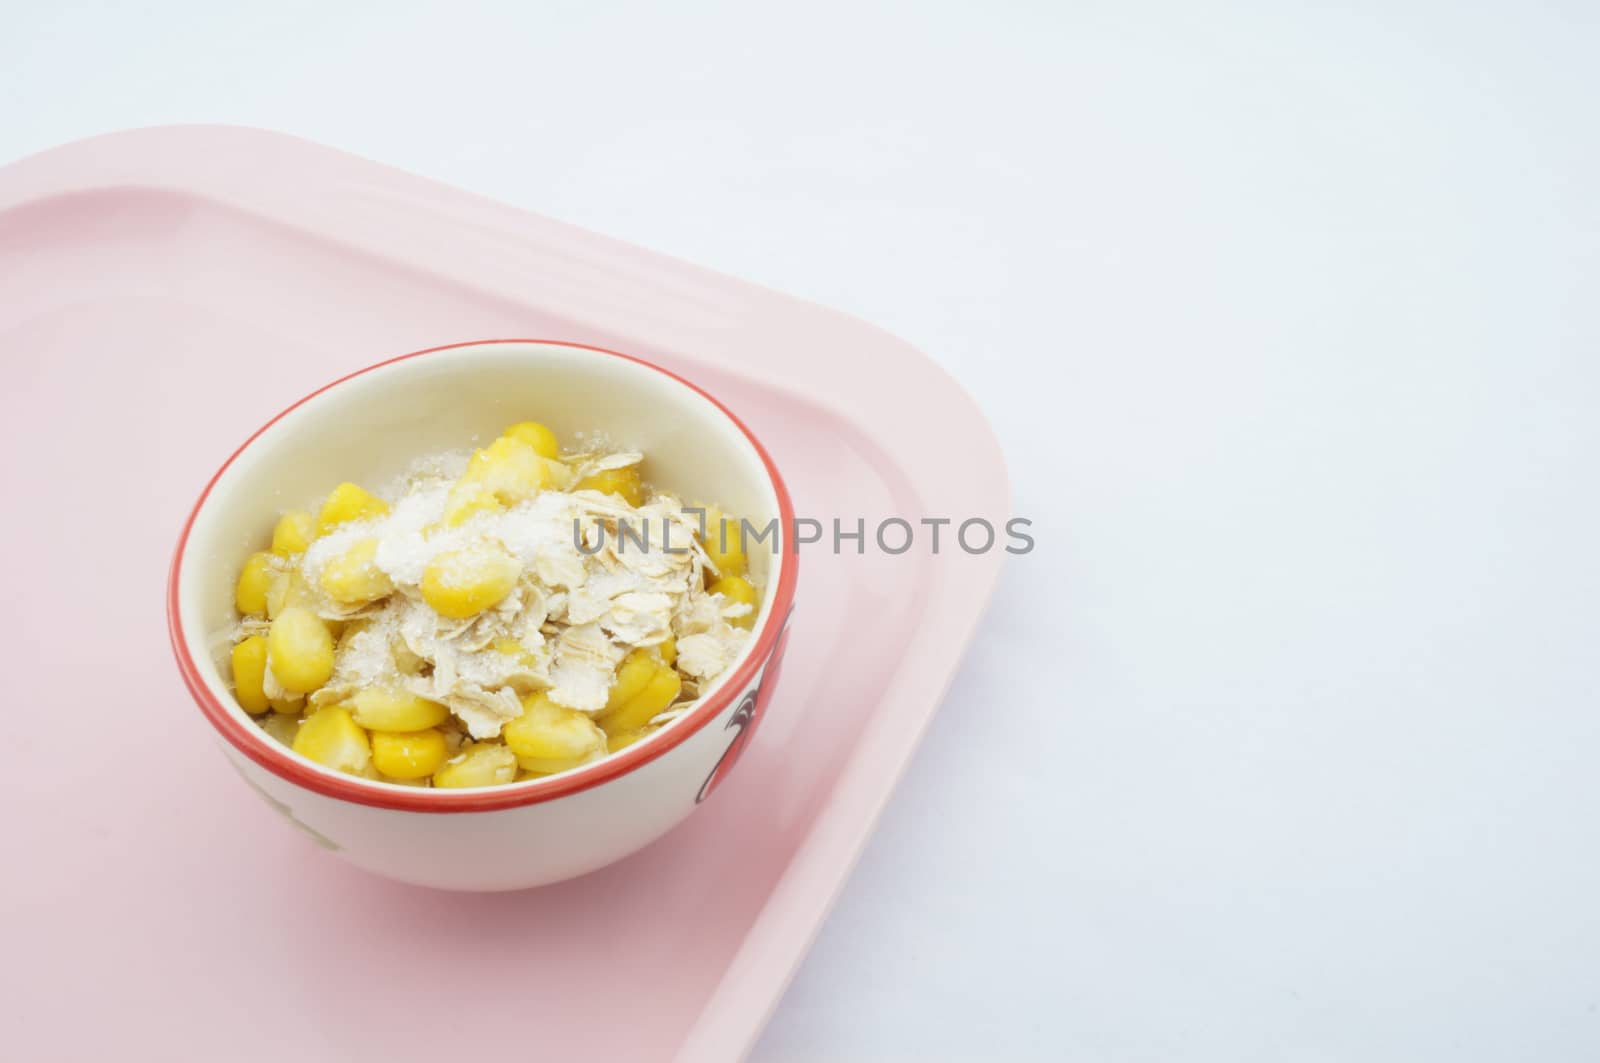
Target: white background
{"type": "Point", "coordinates": [1283, 744]}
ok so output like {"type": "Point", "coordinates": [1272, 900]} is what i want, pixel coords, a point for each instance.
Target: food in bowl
{"type": "Point", "coordinates": [444, 401]}
{"type": "Point", "coordinates": [492, 617]}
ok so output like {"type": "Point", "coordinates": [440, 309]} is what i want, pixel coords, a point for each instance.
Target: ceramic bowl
{"type": "Point", "coordinates": [368, 427]}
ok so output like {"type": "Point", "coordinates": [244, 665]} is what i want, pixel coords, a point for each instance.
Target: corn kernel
{"type": "Point", "coordinates": [724, 543]}
{"type": "Point", "coordinates": [624, 482]}
{"type": "Point", "coordinates": [740, 590]}
{"type": "Point", "coordinates": [281, 728]}
{"type": "Point", "coordinates": [623, 739]}
{"type": "Point", "coordinates": [348, 502]}
{"type": "Point", "coordinates": [300, 649]}
{"type": "Point", "coordinates": [541, 439]}
{"type": "Point", "coordinates": [293, 533]}
{"type": "Point", "coordinates": [485, 764]}
{"type": "Point", "coordinates": [354, 577]}
{"type": "Point", "coordinates": [255, 579]}
{"type": "Point", "coordinates": [548, 737]}
{"type": "Point", "coordinates": [408, 754]}
{"type": "Point", "coordinates": [331, 738]}
{"type": "Point", "coordinates": [659, 692]}
{"type": "Point", "coordinates": [633, 675]}
{"type": "Point", "coordinates": [463, 583]}
{"type": "Point", "coordinates": [668, 650]}
{"type": "Point", "coordinates": [278, 590]}
{"type": "Point", "coordinates": [288, 706]}
{"type": "Point", "coordinates": [513, 471]}
{"type": "Point", "coordinates": [394, 709]}
{"type": "Point", "coordinates": [466, 500]}
{"type": "Point", "coordinates": [249, 671]}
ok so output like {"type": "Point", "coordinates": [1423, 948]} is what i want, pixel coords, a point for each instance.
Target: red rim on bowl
{"type": "Point", "coordinates": [256, 745]}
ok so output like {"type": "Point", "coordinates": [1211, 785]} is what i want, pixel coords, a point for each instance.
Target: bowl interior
{"type": "Point", "coordinates": [371, 427]}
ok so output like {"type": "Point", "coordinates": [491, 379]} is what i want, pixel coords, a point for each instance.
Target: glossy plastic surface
{"type": "Point", "coordinates": [163, 292]}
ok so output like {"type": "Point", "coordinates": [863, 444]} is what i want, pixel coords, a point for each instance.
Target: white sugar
{"type": "Point", "coordinates": [336, 542]}
{"type": "Point", "coordinates": [404, 545]}
{"type": "Point", "coordinates": [542, 525]}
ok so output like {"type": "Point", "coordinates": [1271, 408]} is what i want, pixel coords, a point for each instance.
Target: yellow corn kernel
{"type": "Point", "coordinates": [624, 482]}
{"type": "Point", "coordinates": [724, 543]}
{"type": "Point", "coordinates": [463, 583]}
{"type": "Point", "coordinates": [394, 709]}
{"type": "Point", "coordinates": [623, 739]}
{"type": "Point", "coordinates": [513, 470]}
{"type": "Point", "coordinates": [740, 590]}
{"type": "Point", "coordinates": [541, 439]}
{"type": "Point", "coordinates": [354, 576]}
{"type": "Point", "coordinates": [288, 706]}
{"type": "Point", "coordinates": [658, 693]}
{"type": "Point", "coordinates": [348, 502]}
{"type": "Point", "coordinates": [548, 737]}
{"type": "Point", "coordinates": [667, 650]}
{"type": "Point", "coordinates": [524, 775]}
{"type": "Point", "coordinates": [408, 754]}
{"type": "Point", "coordinates": [282, 728]}
{"type": "Point", "coordinates": [293, 533]}
{"type": "Point", "coordinates": [249, 672]}
{"type": "Point", "coordinates": [331, 738]}
{"type": "Point", "coordinates": [278, 590]}
{"type": "Point", "coordinates": [300, 649]}
{"type": "Point", "coordinates": [255, 579]}
{"type": "Point", "coordinates": [466, 500]}
{"type": "Point", "coordinates": [484, 764]}
{"type": "Point", "coordinates": [633, 674]}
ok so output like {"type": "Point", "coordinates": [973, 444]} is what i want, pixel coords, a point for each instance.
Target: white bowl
{"type": "Point", "coordinates": [368, 427]}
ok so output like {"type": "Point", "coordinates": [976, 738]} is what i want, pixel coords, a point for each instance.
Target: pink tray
{"type": "Point", "coordinates": [165, 291]}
